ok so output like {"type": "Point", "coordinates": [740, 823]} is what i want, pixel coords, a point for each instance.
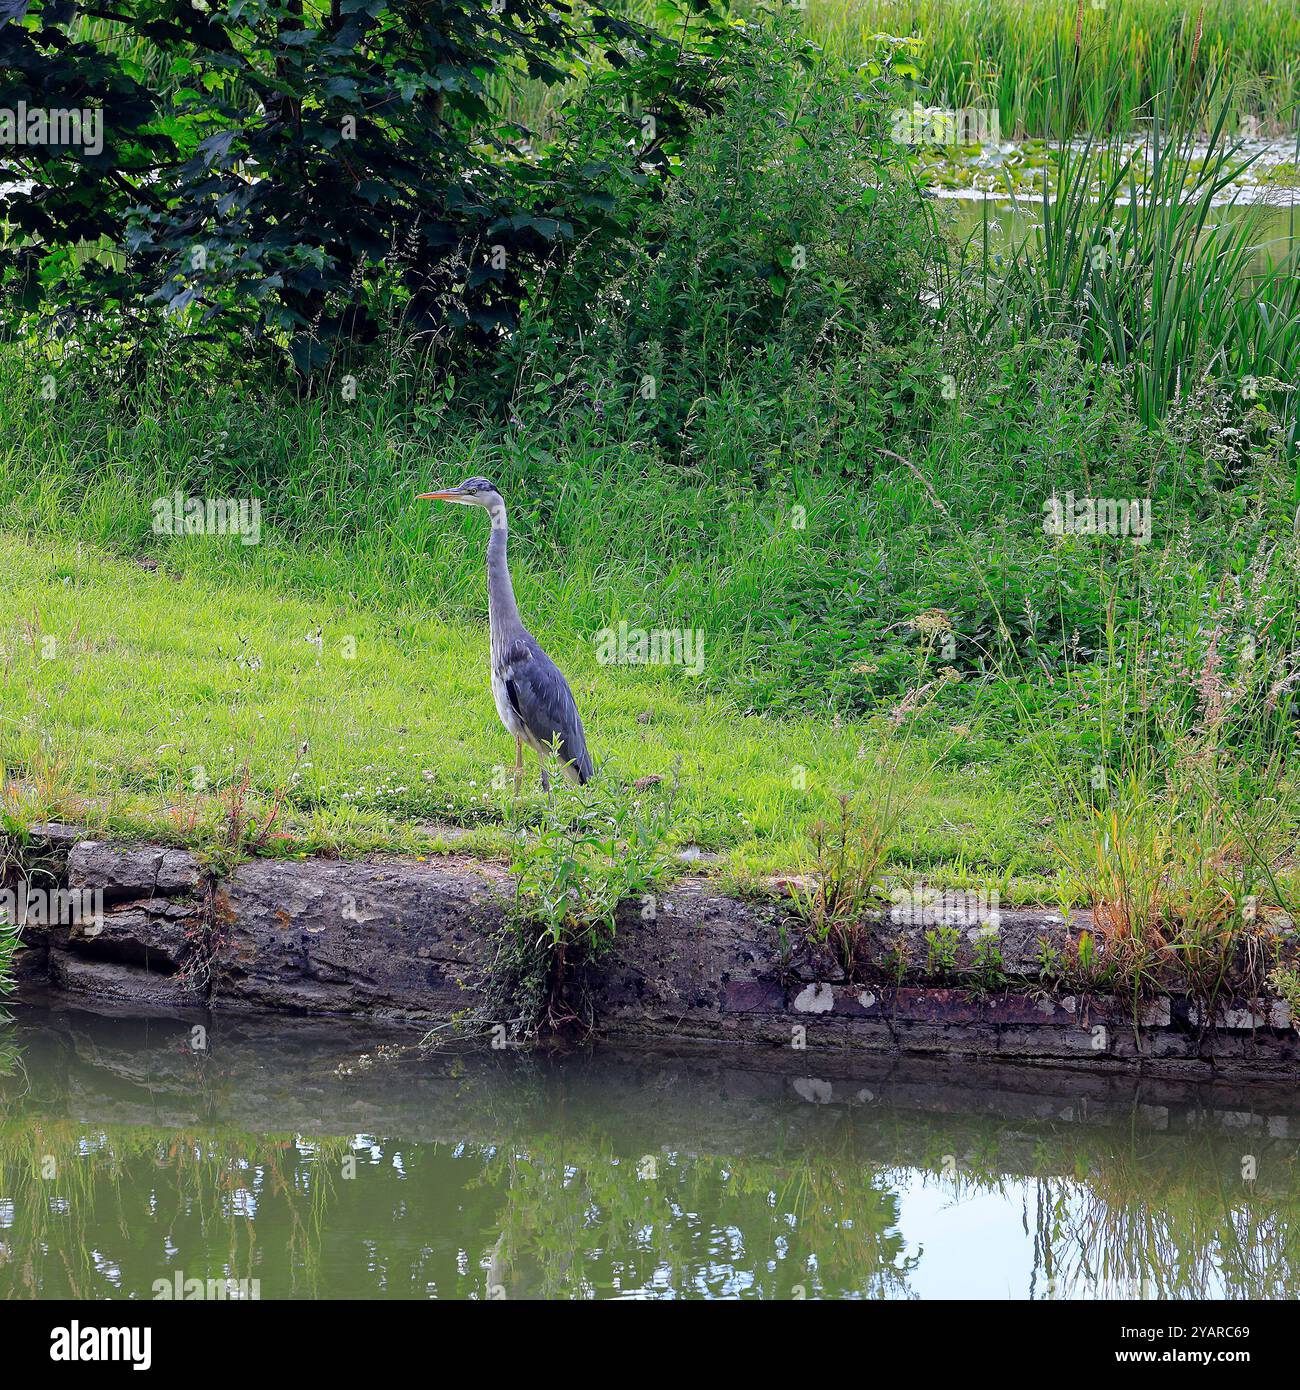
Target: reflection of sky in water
{"type": "Point", "coordinates": [961, 1243]}
{"type": "Point", "coordinates": [971, 1245]}
{"type": "Point", "coordinates": [975, 1244]}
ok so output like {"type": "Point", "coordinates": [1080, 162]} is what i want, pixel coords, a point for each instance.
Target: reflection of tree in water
{"type": "Point", "coordinates": [1174, 1221]}
{"type": "Point", "coordinates": [91, 1213]}
{"type": "Point", "coordinates": [585, 1194]}
{"type": "Point", "coordinates": [584, 1221]}
{"type": "Point", "coordinates": [1149, 1216]}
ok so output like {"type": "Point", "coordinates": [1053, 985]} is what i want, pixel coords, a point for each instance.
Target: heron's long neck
{"type": "Point", "coordinates": [503, 614]}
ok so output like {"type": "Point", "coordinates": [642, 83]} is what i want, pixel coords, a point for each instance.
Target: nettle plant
{"type": "Point", "coordinates": [295, 171]}
{"type": "Point", "coordinates": [596, 849]}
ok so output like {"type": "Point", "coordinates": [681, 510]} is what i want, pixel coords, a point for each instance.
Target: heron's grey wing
{"type": "Point", "coordinates": [540, 696]}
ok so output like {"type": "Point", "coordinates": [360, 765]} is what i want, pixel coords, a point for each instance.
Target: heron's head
{"type": "Point", "coordinates": [473, 492]}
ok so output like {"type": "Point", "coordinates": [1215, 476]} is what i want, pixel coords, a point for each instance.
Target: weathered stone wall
{"type": "Point", "coordinates": [407, 942]}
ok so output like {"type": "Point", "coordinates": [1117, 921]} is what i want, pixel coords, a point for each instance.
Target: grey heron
{"type": "Point", "coordinates": [532, 697]}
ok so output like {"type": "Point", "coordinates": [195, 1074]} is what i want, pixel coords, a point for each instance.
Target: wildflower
{"type": "Point", "coordinates": [909, 704]}
{"type": "Point", "coordinates": [1210, 686]}
{"type": "Point", "coordinates": [932, 620]}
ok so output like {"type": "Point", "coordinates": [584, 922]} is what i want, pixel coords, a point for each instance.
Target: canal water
{"type": "Point", "coordinates": [1007, 224]}
{"type": "Point", "coordinates": [140, 1158]}
{"type": "Point", "coordinates": [979, 197]}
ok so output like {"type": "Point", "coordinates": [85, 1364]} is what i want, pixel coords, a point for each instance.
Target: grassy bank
{"type": "Point", "coordinates": [137, 701]}
{"type": "Point", "coordinates": [857, 460]}
{"type": "Point", "coordinates": [1000, 55]}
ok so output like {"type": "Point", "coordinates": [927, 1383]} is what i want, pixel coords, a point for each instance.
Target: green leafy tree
{"type": "Point", "coordinates": [294, 172]}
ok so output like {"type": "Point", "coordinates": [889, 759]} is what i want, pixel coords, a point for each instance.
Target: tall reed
{"type": "Point", "coordinates": [1146, 256]}
{"type": "Point", "coordinates": [1002, 52]}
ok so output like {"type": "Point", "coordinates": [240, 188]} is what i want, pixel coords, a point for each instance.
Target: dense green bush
{"type": "Point", "coordinates": [791, 237]}
{"type": "Point", "coordinates": [287, 175]}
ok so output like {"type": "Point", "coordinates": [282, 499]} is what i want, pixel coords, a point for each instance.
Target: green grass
{"type": "Point", "coordinates": [153, 676]}
{"type": "Point", "coordinates": [1001, 53]}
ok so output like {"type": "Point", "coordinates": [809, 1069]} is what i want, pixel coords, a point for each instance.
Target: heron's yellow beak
{"type": "Point", "coordinates": [452, 496]}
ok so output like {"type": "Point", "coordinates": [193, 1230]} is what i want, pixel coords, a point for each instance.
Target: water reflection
{"type": "Point", "coordinates": [279, 1155]}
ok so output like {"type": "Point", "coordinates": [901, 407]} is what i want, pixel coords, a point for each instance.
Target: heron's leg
{"type": "Point", "coordinates": [519, 765]}
{"type": "Point", "coordinates": [546, 781]}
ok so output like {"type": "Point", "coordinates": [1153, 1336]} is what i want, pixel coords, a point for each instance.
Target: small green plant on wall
{"type": "Point", "coordinates": [986, 970]}
{"type": "Point", "coordinates": [1285, 982]}
{"type": "Point", "coordinates": [844, 880]}
{"type": "Point", "coordinates": [597, 848]}
{"type": "Point", "coordinates": [941, 945]}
